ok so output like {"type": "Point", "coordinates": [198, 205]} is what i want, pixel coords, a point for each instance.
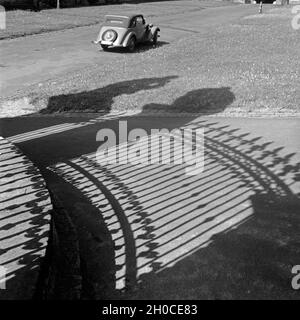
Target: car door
{"type": "Point", "coordinates": [140, 28]}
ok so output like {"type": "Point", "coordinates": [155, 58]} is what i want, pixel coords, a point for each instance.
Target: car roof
{"type": "Point", "coordinates": [127, 16]}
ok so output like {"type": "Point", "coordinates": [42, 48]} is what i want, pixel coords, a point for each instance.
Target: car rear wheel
{"type": "Point", "coordinates": [131, 44]}
{"type": "Point", "coordinates": [155, 37]}
{"type": "Point", "coordinates": [104, 46]}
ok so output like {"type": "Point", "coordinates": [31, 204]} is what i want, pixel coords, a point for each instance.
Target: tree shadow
{"type": "Point", "coordinates": [100, 100]}
{"type": "Point", "coordinates": [204, 100]}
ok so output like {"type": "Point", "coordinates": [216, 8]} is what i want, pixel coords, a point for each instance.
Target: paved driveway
{"type": "Point", "coordinates": [166, 229]}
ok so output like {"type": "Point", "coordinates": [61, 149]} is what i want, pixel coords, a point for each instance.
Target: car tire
{"type": "Point", "coordinates": [155, 37]}
{"type": "Point", "coordinates": [131, 44]}
{"type": "Point", "coordinates": [104, 47]}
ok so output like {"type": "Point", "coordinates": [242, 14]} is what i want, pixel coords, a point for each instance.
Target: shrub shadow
{"type": "Point", "coordinates": [204, 100]}
{"type": "Point", "coordinates": [101, 100]}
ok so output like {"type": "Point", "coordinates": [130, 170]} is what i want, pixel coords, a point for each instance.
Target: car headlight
{"type": "Point", "coordinates": [109, 35]}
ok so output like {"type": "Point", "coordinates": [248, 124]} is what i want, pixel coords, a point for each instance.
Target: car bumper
{"type": "Point", "coordinates": [111, 44]}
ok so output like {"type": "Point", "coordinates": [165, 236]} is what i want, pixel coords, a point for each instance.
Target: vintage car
{"type": "Point", "coordinates": [126, 31]}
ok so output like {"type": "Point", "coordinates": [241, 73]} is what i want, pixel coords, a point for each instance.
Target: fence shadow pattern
{"type": "Point", "coordinates": [157, 215]}
{"type": "Point", "coordinates": [24, 222]}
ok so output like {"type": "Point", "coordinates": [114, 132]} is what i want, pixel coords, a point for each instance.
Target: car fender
{"type": "Point", "coordinates": [153, 30]}
{"type": "Point", "coordinates": [126, 39]}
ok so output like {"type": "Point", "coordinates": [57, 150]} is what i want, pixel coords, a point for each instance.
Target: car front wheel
{"type": "Point", "coordinates": [155, 37]}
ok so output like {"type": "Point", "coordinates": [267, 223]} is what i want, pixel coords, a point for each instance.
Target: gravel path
{"type": "Point", "coordinates": [226, 60]}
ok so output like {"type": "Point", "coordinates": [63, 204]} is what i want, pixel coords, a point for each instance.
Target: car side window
{"type": "Point", "coordinates": [133, 23]}
{"type": "Point", "coordinates": [139, 20]}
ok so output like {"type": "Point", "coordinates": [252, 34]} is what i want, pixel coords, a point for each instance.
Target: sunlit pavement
{"type": "Point", "coordinates": [24, 223]}
{"type": "Point", "coordinates": [157, 215]}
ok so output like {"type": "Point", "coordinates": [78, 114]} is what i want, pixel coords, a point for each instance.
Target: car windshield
{"type": "Point", "coordinates": [117, 21]}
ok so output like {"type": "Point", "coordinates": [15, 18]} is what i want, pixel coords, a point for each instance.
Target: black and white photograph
{"type": "Point", "coordinates": [149, 154]}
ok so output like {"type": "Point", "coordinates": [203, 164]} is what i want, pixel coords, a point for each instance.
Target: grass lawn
{"type": "Point", "coordinates": [24, 22]}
